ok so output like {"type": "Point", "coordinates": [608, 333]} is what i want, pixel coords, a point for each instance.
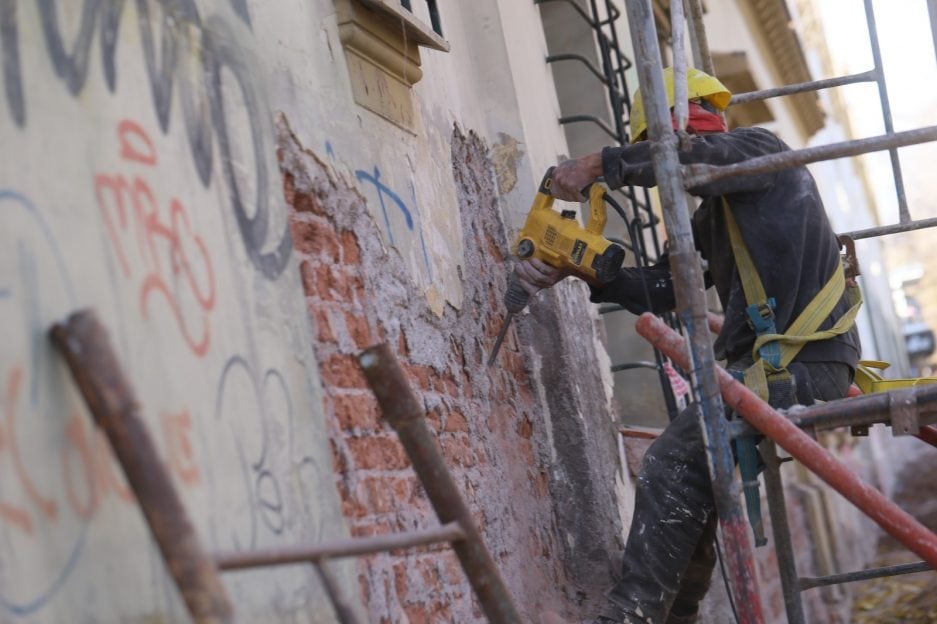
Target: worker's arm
{"type": "Point", "coordinates": [638, 290]}
{"type": "Point", "coordinates": [631, 165]}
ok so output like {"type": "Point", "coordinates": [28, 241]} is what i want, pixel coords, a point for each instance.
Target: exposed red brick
{"type": "Point", "coordinates": [421, 375]}
{"type": "Point", "coordinates": [455, 421]}
{"type": "Point", "coordinates": [378, 453]}
{"type": "Point", "coordinates": [383, 495]}
{"type": "Point", "coordinates": [322, 324]}
{"type": "Point", "coordinates": [338, 462]}
{"type": "Point", "coordinates": [428, 567]}
{"type": "Point", "coordinates": [301, 202]}
{"type": "Point", "coordinates": [434, 419]}
{"type": "Point", "coordinates": [357, 411]}
{"type": "Point", "coordinates": [359, 329]}
{"type": "Point", "coordinates": [342, 371]}
{"type": "Point", "coordinates": [370, 529]}
{"type": "Point", "coordinates": [351, 506]}
{"type": "Point", "coordinates": [310, 280]}
{"type": "Point", "coordinates": [351, 252]}
{"type": "Point", "coordinates": [401, 582]}
{"type": "Point", "coordinates": [316, 237]}
{"type": "Point", "coordinates": [458, 451]}
{"type": "Point", "coordinates": [525, 428]}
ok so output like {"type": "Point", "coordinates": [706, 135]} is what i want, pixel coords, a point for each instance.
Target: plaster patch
{"type": "Point", "coordinates": [506, 156]}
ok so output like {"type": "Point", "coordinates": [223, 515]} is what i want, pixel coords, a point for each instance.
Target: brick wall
{"type": "Point", "coordinates": [489, 422]}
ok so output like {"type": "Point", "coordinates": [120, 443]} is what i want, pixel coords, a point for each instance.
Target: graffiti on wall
{"type": "Point", "coordinates": [193, 57]}
{"type": "Point", "coordinates": [132, 221]}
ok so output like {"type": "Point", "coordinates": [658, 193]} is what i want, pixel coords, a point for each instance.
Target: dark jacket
{"type": "Point", "coordinates": [785, 228]}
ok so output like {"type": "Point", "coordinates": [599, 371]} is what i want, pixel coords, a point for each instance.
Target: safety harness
{"type": "Point", "coordinates": [773, 351]}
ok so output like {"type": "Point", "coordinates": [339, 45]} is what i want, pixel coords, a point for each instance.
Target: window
{"type": "Point", "coordinates": [382, 41]}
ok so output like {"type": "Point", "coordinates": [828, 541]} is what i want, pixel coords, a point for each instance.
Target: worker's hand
{"type": "Point", "coordinates": [536, 275]}
{"type": "Point", "coordinates": [572, 176]}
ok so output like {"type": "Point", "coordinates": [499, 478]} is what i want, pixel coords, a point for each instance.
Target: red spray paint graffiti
{"type": "Point", "coordinates": [172, 261]}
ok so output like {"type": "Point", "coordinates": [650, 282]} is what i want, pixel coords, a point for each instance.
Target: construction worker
{"type": "Point", "coordinates": [669, 555]}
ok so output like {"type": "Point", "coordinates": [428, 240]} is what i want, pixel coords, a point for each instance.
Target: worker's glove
{"type": "Point", "coordinates": [534, 275]}
{"type": "Point", "coordinates": [572, 176]}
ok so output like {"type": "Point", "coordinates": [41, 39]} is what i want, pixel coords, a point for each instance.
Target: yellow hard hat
{"type": "Point", "coordinates": [699, 85]}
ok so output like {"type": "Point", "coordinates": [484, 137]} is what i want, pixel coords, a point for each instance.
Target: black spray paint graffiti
{"type": "Point", "coordinates": [194, 55]}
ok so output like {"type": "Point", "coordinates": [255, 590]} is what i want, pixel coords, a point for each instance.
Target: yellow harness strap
{"type": "Point", "coordinates": [804, 327]}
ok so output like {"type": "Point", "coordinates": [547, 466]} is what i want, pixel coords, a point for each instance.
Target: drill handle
{"type": "Point", "coordinates": [598, 215]}
{"type": "Point", "coordinates": [515, 297]}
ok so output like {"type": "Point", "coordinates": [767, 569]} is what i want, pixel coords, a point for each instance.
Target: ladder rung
{"type": "Point", "coordinates": [896, 228]}
{"type": "Point", "coordinates": [354, 547]}
{"type": "Point", "coordinates": [863, 575]}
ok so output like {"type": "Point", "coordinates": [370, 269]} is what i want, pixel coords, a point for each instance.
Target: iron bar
{"type": "Point", "coordinates": [698, 38]}
{"type": "Point", "coordinates": [864, 575]}
{"type": "Point", "coordinates": [697, 175]}
{"type": "Point", "coordinates": [815, 85]}
{"type": "Point", "coordinates": [932, 12]}
{"type": "Point", "coordinates": [681, 104]}
{"type": "Point", "coordinates": [335, 549]}
{"type": "Point", "coordinates": [781, 531]}
{"type": "Point", "coordinates": [633, 365]}
{"type": "Point", "coordinates": [691, 307]}
{"type": "Point", "coordinates": [897, 228]}
{"type": "Point", "coordinates": [553, 58]}
{"type": "Point", "coordinates": [903, 215]}
{"type": "Point", "coordinates": [595, 23]}
{"type": "Point", "coordinates": [344, 611]}
{"type": "Point", "coordinates": [405, 414]}
{"type": "Point", "coordinates": [641, 260]}
{"type": "Point", "coordinates": [110, 398]}
{"type": "Point", "coordinates": [591, 119]}
{"type": "Point", "coordinates": [894, 520]}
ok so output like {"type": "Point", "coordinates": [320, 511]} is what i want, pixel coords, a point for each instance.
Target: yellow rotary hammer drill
{"type": "Point", "coordinates": [557, 239]}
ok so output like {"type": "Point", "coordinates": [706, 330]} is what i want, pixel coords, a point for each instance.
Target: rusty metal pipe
{"type": "Point", "coordinates": [895, 521]}
{"type": "Point", "coordinates": [928, 434]}
{"type": "Point", "coordinates": [405, 414]}
{"type": "Point", "coordinates": [84, 344]}
{"type": "Point", "coordinates": [352, 547]}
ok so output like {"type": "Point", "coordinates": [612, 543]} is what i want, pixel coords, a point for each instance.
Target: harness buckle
{"type": "Point", "coordinates": [761, 317]}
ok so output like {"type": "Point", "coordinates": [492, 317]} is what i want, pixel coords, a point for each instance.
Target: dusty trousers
{"type": "Point", "coordinates": [670, 552]}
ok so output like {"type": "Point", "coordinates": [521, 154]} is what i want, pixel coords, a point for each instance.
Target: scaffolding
{"type": "Point", "coordinates": [908, 410]}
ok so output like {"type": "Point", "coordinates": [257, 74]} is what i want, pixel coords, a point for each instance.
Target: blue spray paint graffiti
{"type": "Point", "coordinates": [384, 191]}
{"type": "Point", "coordinates": [26, 262]}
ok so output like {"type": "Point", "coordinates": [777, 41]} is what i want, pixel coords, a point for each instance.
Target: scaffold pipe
{"type": "Point", "coordinates": [895, 521]}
